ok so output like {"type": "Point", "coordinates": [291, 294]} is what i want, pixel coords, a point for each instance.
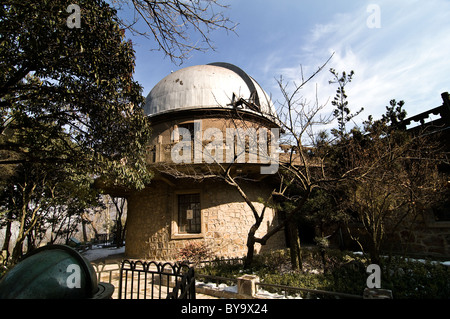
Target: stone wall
{"type": "Point", "coordinates": [226, 219]}
{"type": "Point", "coordinates": [424, 238]}
{"type": "Point", "coordinates": [421, 237]}
{"type": "Point", "coordinates": [432, 242]}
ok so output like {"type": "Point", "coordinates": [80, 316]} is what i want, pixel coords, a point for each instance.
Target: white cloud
{"type": "Point", "coordinates": [406, 58]}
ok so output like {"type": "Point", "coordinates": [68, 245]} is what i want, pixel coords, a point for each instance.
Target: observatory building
{"type": "Point", "coordinates": [207, 120]}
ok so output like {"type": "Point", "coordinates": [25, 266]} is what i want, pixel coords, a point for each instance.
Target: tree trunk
{"type": "Point", "coordinates": [124, 231]}
{"type": "Point", "coordinates": [250, 251]}
{"type": "Point", "coordinates": [294, 241]}
{"type": "Point", "coordinates": [119, 203]}
{"type": "Point", "coordinates": [374, 256]}
{"type": "Point", "coordinates": [86, 220]}
{"type": "Point", "coordinates": [7, 234]}
{"type": "Point", "coordinates": [119, 239]}
{"type": "Point", "coordinates": [18, 247]}
{"type": "Point", "coordinates": [83, 228]}
{"type": "Point", "coordinates": [251, 240]}
{"type": "Point", "coordinates": [374, 251]}
{"type": "Point", "coordinates": [31, 242]}
{"type": "Point", "coordinates": [18, 250]}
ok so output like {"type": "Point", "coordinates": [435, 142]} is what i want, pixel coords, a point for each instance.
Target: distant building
{"type": "Point", "coordinates": [429, 235]}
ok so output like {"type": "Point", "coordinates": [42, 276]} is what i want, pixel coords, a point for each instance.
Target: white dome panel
{"type": "Point", "coordinates": [208, 86]}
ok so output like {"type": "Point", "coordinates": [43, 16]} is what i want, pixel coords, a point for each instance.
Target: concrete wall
{"type": "Point", "coordinates": [226, 219]}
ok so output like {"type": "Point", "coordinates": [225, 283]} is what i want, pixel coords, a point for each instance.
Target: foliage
{"type": "Point", "coordinates": [71, 112]}
{"type": "Point", "coordinates": [221, 268]}
{"type": "Point", "coordinates": [43, 197]}
{"type": "Point", "coordinates": [62, 89]}
{"type": "Point", "coordinates": [408, 279]}
{"type": "Point", "coordinates": [323, 209]}
{"type": "Point", "coordinates": [384, 175]}
{"type": "Point", "coordinates": [194, 252]}
{"type": "Point", "coordinates": [342, 110]}
{"type": "Point", "coordinates": [423, 279]}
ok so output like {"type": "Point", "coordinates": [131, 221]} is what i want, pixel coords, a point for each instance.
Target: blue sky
{"type": "Point", "coordinates": [402, 55]}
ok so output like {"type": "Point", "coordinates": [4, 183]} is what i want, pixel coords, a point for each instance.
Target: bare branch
{"type": "Point", "coordinates": [172, 23]}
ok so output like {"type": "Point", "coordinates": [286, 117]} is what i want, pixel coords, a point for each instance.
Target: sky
{"type": "Point", "coordinates": [398, 50]}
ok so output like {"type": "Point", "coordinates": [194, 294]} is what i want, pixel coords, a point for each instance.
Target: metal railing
{"type": "Point", "coordinates": [151, 280]}
{"type": "Point", "coordinates": [287, 290]}
{"type": "Point", "coordinates": [158, 281]}
{"type": "Point", "coordinates": [109, 273]}
{"type": "Point", "coordinates": [219, 261]}
{"type": "Point", "coordinates": [308, 293]}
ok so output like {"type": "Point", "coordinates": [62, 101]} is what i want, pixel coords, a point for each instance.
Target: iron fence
{"type": "Point", "coordinates": [108, 273]}
{"type": "Point", "coordinates": [151, 280]}
{"type": "Point", "coordinates": [308, 293]}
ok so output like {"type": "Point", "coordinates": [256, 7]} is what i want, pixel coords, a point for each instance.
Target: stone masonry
{"type": "Point", "coordinates": [225, 220]}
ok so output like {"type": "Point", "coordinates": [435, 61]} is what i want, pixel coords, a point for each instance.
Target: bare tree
{"type": "Point", "coordinates": [393, 177]}
{"type": "Point", "coordinates": [299, 167]}
{"type": "Point", "coordinates": [173, 23]}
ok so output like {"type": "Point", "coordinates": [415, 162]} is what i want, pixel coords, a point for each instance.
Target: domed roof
{"type": "Point", "coordinates": [215, 85]}
{"type": "Point", "coordinates": [53, 272]}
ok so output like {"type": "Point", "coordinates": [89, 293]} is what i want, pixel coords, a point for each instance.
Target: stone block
{"type": "Point", "coordinates": [247, 285]}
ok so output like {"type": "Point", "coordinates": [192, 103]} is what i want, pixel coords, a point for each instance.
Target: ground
{"type": "Point", "coordinates": [113, 255]}
{"type": "Point", "coordinates": [98, 254]}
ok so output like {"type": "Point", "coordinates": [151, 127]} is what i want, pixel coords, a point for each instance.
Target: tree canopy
{"type": "Point", "coordinates": [68, 94]}
{"type": "Point", "coordinates": [70, 111]}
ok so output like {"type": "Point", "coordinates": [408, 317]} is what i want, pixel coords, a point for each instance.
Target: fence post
{"type": "Point", "coordinates": [247, 285]}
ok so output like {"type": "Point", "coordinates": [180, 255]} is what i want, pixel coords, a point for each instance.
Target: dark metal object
{"type": "Point", "coordinates": [185, 288]}
{"type": "Point", "coordinates": [47, 273]}
{"type": "Point", "coordinates": [151, 280]}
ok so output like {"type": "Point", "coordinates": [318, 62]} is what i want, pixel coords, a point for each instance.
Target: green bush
{"type": "Point", "coordinates": [414, 279]}
{"type": "Point", "coordinates": [345, 272]}
{"type": "Point", "coordinates": [221, 270]}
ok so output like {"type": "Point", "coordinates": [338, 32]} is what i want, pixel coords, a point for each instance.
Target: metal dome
{"type": "Point", "coordinates": [46, 273]}
{"type": "Point", "coordinates": [215, 85]}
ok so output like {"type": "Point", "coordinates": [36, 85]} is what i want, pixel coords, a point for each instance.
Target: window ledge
{"type": "Point", "coordinates": [187, 236]}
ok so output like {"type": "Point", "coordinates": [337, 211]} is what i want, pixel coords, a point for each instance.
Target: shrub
{"type": "Point", "coordinates": [194, 252]}
{"type": "Point", "coordinates": [414, 279]}
{"type": "Point", "coordinates": [277, 260]}
{"type": "Point", "coordinates": [346, 273]}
